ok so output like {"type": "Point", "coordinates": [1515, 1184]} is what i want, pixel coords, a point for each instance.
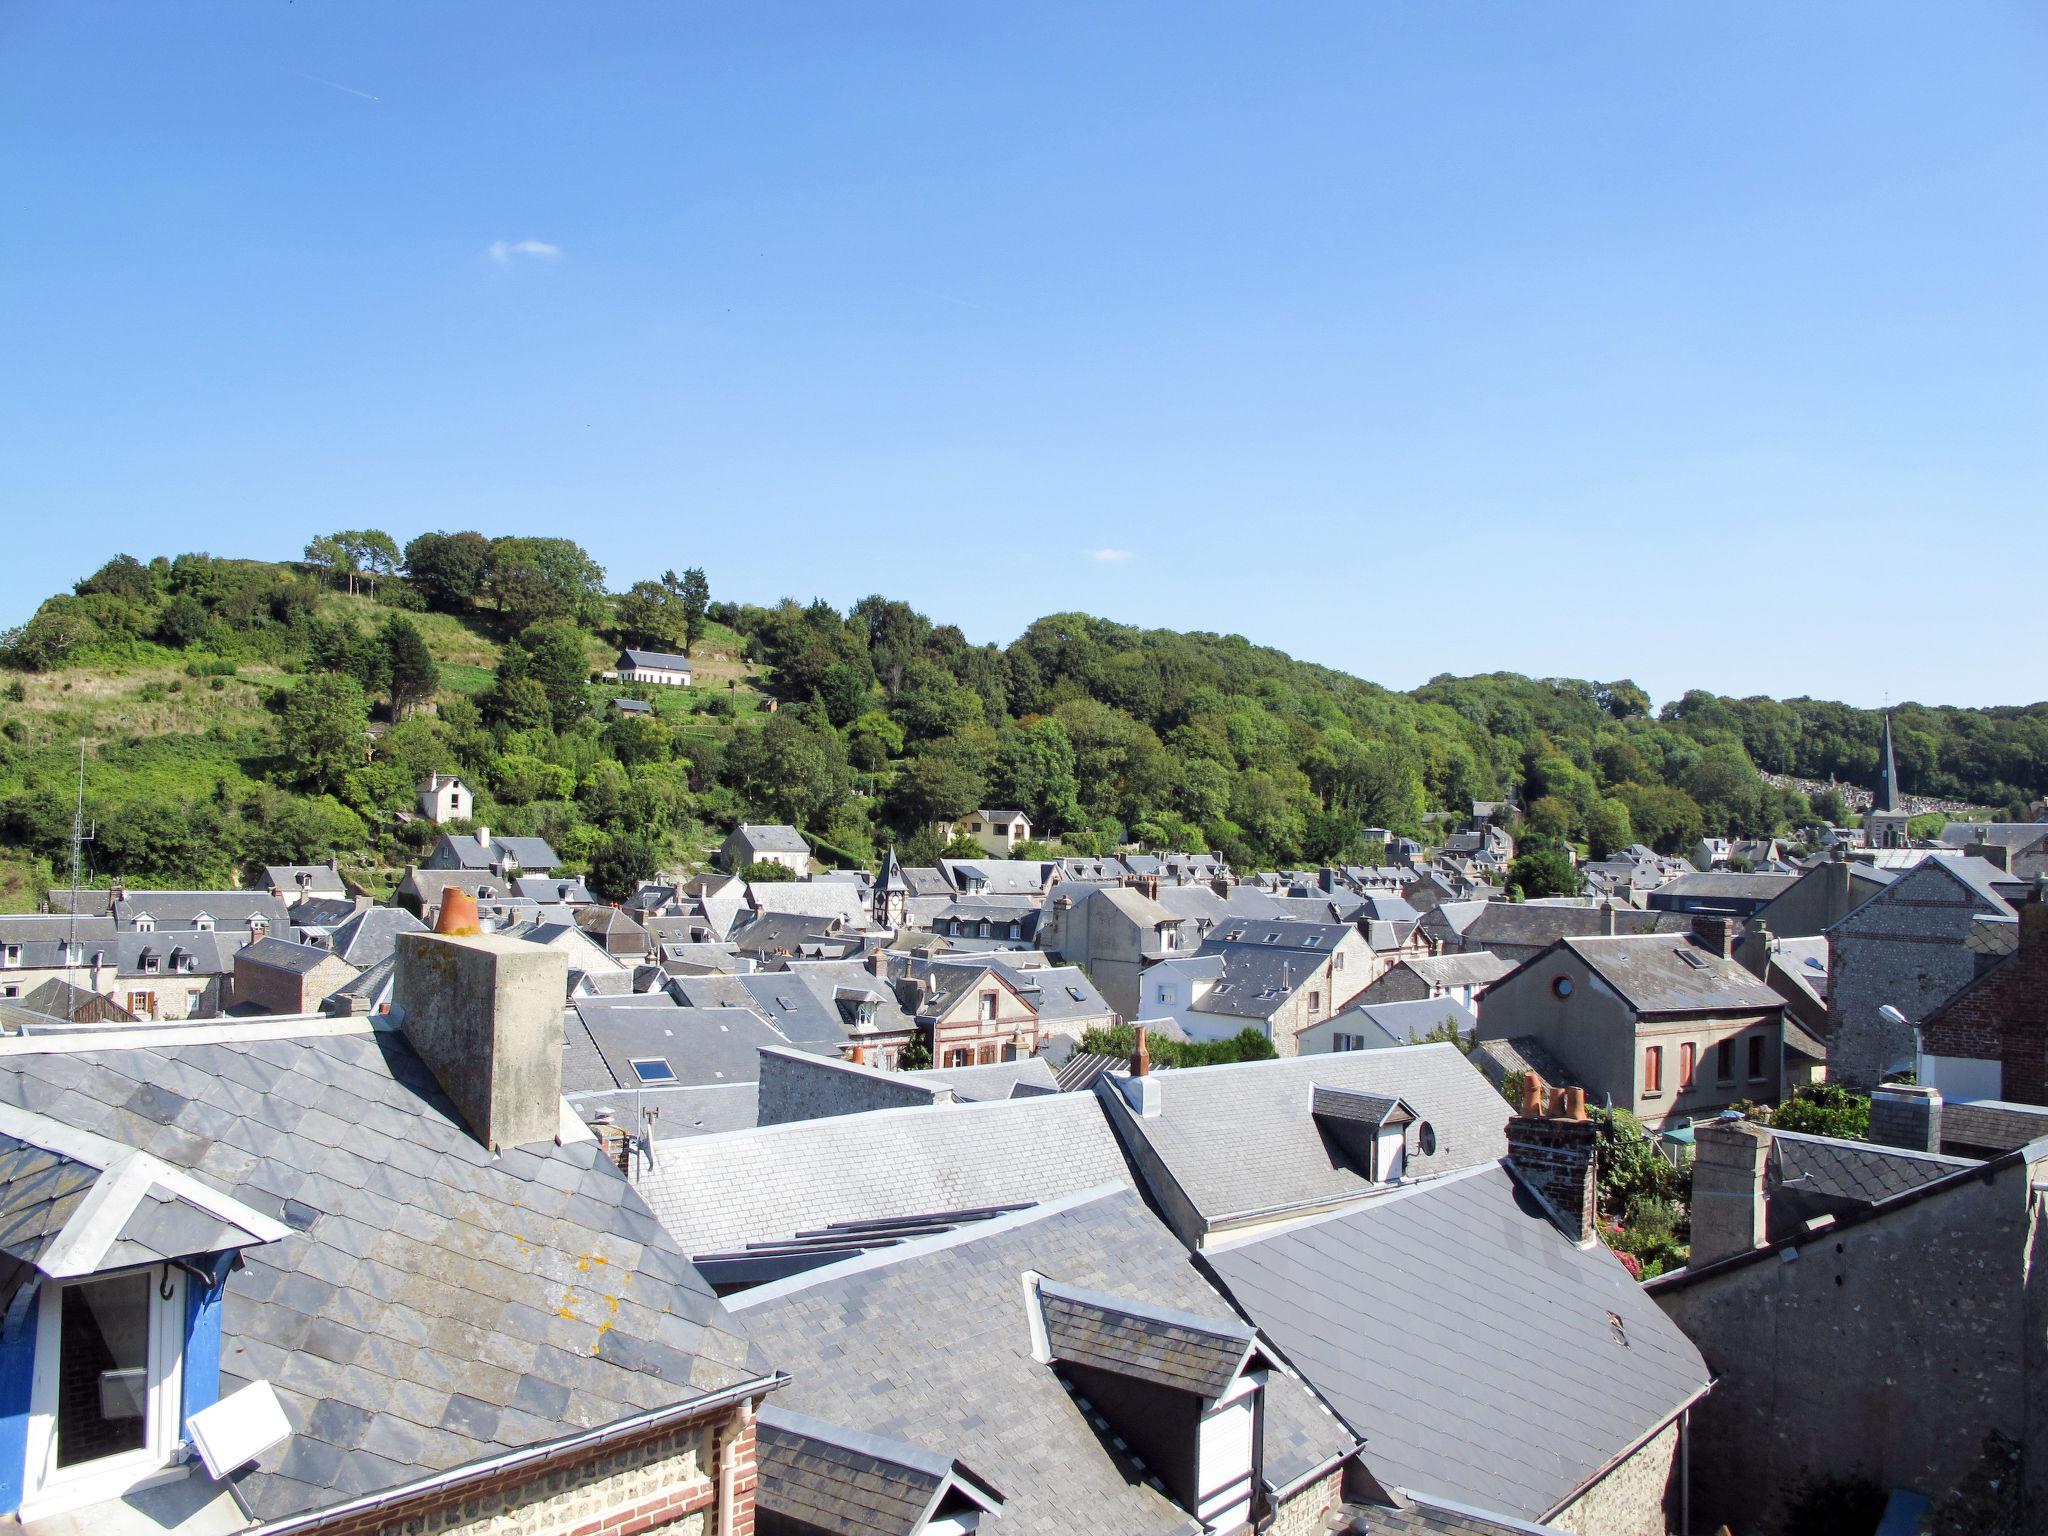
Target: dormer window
{"type": "Point", "coordinates": [144, 923]}
{"type": "Point", "coordinates": [258, 923]}
{"type": "Point", "coordinates": [203, 923]}
{"type": "Point", "coordinates": [150, 963]}
{"type": "Point", "coordinates": [104, 1404]}
{"type": "Point", "coordinates": [11, 955]}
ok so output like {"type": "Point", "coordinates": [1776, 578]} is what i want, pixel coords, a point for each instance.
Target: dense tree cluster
{"type": "Point", "coordinates": [886, 723]}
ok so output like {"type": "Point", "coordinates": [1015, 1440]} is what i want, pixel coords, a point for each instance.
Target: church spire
{"type": "Point", "coordinates": [1887, 797]}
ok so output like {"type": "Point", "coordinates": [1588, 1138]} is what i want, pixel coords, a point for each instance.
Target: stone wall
{"type": "Point", "coordinates": [1631, 1499]}
{"type": "Point", "coordinates": [1906, 947]}
{"type": "Point", "coordinates": [1885, 1349]}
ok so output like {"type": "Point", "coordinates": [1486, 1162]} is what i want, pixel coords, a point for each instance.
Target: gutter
{"type": "Point", "coordinates": [675, 1413]}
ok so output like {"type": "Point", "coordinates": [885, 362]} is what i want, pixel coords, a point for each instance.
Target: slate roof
{"type": "Point", "coordinates": [1403, 1023]}
{"type": "Point", "coordinates": [181, 909]}
{"type": "Point", "coordinates": [1857, 1172]}
{"type": "Point", "coordinates": [322, 879]}
{"type": "Point", "coordinates": [1256, 982]}
{"type": "Point", "coordinates": [771, 839]}
{"type": "Point", "coordinates": [844, 1481]}
{"type": "Point", "coordinates": [284, 955]}
{"type": "Point", "coordinates": [44, 936]}
{"type": "Point", "coordinates": [1726, 884]}
{"type": "Point", "coordinates": [1658, 974]}
{"type": "Point", "coordinates": [372, 935]}
{"type": "Point", "coordinates": [718, 1193]}
{"type": "Point", "coordinates": [553, 888]}
{"type": "Point", "coordinates": [661, 660]}
{"type": "Point", "coordinates": [1241, 1139]}
{"type": "Point", "coordinates": [1160, 1345]}
{"type": "Point", "coordinates": [2015, 835]}
{"type": "Point", "coordinates": [707, 1110]}
{"type": "Point", "coordinates": [995, 877]}
{"type": "Point", "coordinates": [1317, 938]}
{"type": "Point", "coordinates": [1523, 924]}
{"type": "Point", "coordinates": [441, 1303]}
{"type": "Point", "coordinates": [701, 1046]}
{"type": "Point", "coordinates": [1474, 968]}
{"type": "Point", "coordinates": [1019, 1079]}
{"type": "Point", "coordinates": [1400, 1311]}
{"type": "Point", "coordinates": [963, 1380]}
{"type": "Point", "coordinates": [811, 898]}
{"type": "Point", "coordinates": [212, 953]}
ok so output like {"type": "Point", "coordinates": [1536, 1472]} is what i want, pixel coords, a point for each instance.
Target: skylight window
{"type": "Point", "coordinates": [653, 1069]}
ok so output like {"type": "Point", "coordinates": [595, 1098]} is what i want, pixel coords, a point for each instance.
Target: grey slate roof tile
{"type": "Point", "coordinates": [963, 1383]}
{"type": "Point", "coordinates": [375, 1320]}
{"type": "Point", "coordinates": [1241, 1139]}
{"type": "Point", "coordinates": [1399, 1311]}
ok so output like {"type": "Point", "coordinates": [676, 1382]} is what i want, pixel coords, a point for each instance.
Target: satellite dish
{"type": "Point", "coordinates": [238, 1428]}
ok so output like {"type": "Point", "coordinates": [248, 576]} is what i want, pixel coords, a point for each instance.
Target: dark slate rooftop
{"type": "Point", "coordinates": [1405, 1023]}
{"type": "Point", "coordinates": [1854, 1172]}
{"type": "Point", "coordinates": [1160, 1345]}
{"type": "Point", "coordinates": [1402, 1311]}
{"type": "Point", "coordinates": [372, 934]}
{"type": "Point", "coordinates": [1659, 973]}
{"type": "Point", "coordinates": [284, 955]}
{"type": "Point", "coordinates": [441, 1304]}
{"type": "Point", "coordinates": [1242, 1139]}
{"type": "Point", "coordinates": [963, 1381]}
{"type": "Point", "coordinates": [850, 1483]}
{"type": "Point", "coordinates": [1522, 924]}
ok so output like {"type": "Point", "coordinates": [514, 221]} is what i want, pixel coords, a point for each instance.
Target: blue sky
{"type": "Point", "coordinates": [1700, 344]}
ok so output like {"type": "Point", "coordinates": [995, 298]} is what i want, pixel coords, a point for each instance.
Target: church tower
{"type": "Point", "coordinates": [1887, 823]}
{"type": "Point", "coordinates": [890, 891]}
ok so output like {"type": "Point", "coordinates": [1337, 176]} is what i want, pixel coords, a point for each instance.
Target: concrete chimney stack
{"type": "Point", "coordinates": [1729, 1210]}
{"type": "Point", "coordinates": [485, 1014]}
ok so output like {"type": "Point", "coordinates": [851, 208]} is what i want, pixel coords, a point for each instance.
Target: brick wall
{"type": "Point", "coordinates": [1555, 1158]}
{"type": "Point", "coordinates": [663, 1481]}
{"type": "Point", "coordinates": [2004, 1016]}
{"type": "Point", "coordinates": [1303, 1514]}
{"type": "Point", "coordinates": [1630, 1499]}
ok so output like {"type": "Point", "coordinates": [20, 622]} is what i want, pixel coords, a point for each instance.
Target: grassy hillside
{"type": "Point", "coordinates": [237, 712]}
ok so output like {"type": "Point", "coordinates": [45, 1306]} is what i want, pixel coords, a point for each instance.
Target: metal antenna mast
{"type": "Point", "coordinates": [79, 838]}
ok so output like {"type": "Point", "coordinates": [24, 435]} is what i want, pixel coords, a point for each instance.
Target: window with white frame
{"type": "Point", "coordinates": [104, 1406]}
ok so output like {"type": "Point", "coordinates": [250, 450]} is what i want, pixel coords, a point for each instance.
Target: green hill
{"type": "Point", "coordinates": [237, 713]}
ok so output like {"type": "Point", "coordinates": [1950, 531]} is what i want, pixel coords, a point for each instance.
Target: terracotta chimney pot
{"type": "Point", "coordinates": [458, 914]}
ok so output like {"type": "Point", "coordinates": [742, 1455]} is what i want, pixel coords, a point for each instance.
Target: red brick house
{"type": "Point", "coordinates": [1990, 1041]}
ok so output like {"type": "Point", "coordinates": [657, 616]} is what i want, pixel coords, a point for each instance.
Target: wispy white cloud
{"type": "Point", "coordinates": [502, 251]}
{"type": "Point", "coordinates": [1109, 554]}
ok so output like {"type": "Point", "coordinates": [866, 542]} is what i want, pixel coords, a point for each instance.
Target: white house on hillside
{"type": "Point", "coordinates": [997, 831]}
{"type": "Point", "coordinates": [445, 798]}
{"type": "Point", "coordinates": [652, 667]}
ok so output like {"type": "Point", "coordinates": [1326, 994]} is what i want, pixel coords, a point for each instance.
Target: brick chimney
{"type": "Point", "coordinates": [1607, 919]}
{"type": "Point", "coordinates": [1140, 1089]}
{"type": "Point", "coordinates": [1729, 1214]}
{"type": "Point", "coordinates": [1148, 887]}
{"type": "Point", "coordinates": [1552, 1151]}
{"type": "Point", "coordinates": [1906, 1115]}
{"type": "Point", "coordinates": [1716, 934]}
{"type": "Point", "coordinates": [485, 1014]}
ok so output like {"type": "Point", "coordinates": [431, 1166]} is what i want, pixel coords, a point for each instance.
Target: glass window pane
{"type": "Point", "coordinates": [103, 1369]}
